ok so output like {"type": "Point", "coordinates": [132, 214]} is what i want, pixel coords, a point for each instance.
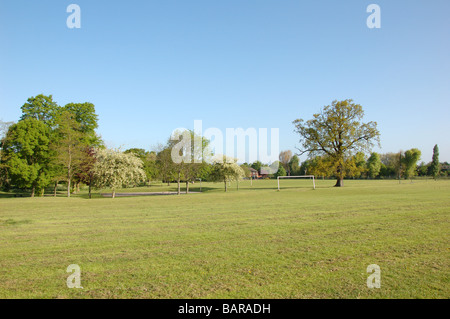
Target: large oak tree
{"type": "Point", "coordinates": [338, 132]}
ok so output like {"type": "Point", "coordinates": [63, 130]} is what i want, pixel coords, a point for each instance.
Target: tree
{"type": "Point", "coordinates": [246, 169]}
{"type": "Point", "coordinates": [84, 114]}
{"type": "Point", "coordinates": [285, 158]}
{"type": "Point", "coordinates": [355, 165]}
{"type": "Point", "coordinates": [69, 146]}
{"type": "Point", "coordinates": [42, 108]}
{"type": "Point", "coordinates": [338, 133]}
{"type": "Point", "coordinates": [389, 164]}
{"type": "Point", "coordinates": [86, 171]}
{"type": "Point", "coordinates": [319, 166]}
{"type": "Point", "coordinates": [190, 153]}
{"type": "Point", "coordinates": [139, 152]}
{"type": "Point", "coordinates": [149, 161]}
{"type": "Point", "coordinates": [257, 165]}
{"type": "Point", "coordinates": [435, 166]}
{"type": "Point", "coordinates": [422, 169]}
{"type": "Point", "coordinates": [225, 170]}
{"type": "Point", "coordinates": [373, 165]}
{"type": "Point", "coordinates": [281, 171]}
{"type": "Point", "coordinates": [200, 155]}
{"type": "Point", "coordinates": [115, 170]}
{"type": "Point", "coordinates": [27, 153]}
{"type": "Point", "coordinates": [294, 165]}
{"type": "Point", "coordinates": [4, 127]}
{"type": "Point", "coordinates": [150, 166]}
{"type": "Point", "coordinates": [409, 160]}
{"type": "Point", "coordinates": [166, 167]}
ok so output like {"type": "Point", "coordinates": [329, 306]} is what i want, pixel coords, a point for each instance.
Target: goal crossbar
{"type": "Point", "coordinates": [302, 176]}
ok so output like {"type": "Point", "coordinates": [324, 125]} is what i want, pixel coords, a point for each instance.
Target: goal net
{"type": "Point", "coordinates": [294, 181]}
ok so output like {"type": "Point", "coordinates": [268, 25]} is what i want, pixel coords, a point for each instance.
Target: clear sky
{"type": "Point", "coordinates": [152, 66]}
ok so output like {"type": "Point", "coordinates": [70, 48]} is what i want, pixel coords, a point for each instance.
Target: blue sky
{"type": "Point", "coordinates": [153, 66]}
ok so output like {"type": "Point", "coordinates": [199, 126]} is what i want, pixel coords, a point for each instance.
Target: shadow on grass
{"type": "Point", "coordinates": [13, 222]}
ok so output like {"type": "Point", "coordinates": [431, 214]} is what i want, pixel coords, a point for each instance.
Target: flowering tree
{"type": "Point", "coordinates": [226, 169]}
{"type": "Point", "coordinates": [115, 170]}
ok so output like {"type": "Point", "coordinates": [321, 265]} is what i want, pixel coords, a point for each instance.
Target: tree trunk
{"type": "Point", "coordinates": [178, 181]}
{"type": "Point", "coordinates": [90, 182]}
{"type": "Point", "coordinates": [68, 187]}
{"type": "Point", "coordinates": [226, 186]}
{"type": "Point", "coordinates": [339, 182]}
{"type": "Point", "coordinates": [33, 191]}
{"type": "Point", "coordinates": [187, 187]}
{"type": "Point", "coordinates": [114, 193]}
{"type": "Point", "coordinates": [54, 189]}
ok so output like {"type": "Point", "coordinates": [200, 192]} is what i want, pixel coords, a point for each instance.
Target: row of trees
{"type": "Point", "coordinates": [197, 162]}
{"type": "Point", "coordinates": [390, 165]}
{"type": "Point", "coordinates": [50, 143]}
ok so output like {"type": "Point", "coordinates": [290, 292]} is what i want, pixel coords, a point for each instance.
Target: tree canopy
{"type": "Point", "coordinates": [115, 169]}
{"type": "Point", "coordinates": [225, 169]}
{"type": "Point", "coordinates": [435, 166]}
{"type": "Point", "coordinates": [338, 132]}
{"type": "Point", "coordinates": [27, 153]}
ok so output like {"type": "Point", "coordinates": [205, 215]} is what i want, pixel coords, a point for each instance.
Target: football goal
{"type": "Point", "coordinates": [310, 177]}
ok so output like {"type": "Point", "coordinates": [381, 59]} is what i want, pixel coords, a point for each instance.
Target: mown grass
{"type": "Point", "coordinates": [251, 243]}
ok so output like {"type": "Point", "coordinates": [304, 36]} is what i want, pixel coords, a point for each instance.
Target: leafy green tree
{"type": "Point", "coordinates": [338, 133]}
{"type": "Point", "coordinates": [374, 165]}
{"type": "Point", "coordinates": [201, 155]}
{"type": "Point", "coordinates": [28, 156]}
{"type": "Point", "coordinates": [69, 146]}
{"type": "Point", "coordinates": [246, 168]}
{"type": "Point", "coordinates": [139, 152]}
{"type": "Point", "coordinates": [304, 167]}
{"type": "Point", "coordinates": [42, 108]}
{"type": "Point", "coordinates": [435, 166]}
{"type": "Point", "coordinates": [85, 173]}
{"type": "Point", "coordinates": [319, 166]}
{"type": "Point", "coordinates": [422, 169]}
{"type": "Point", "coordinates": [190, 154]}
{"type": "Point", "coordinates": [84, 114]}
{"type": "Point", "coordinates": [294, 165]}
{"type": "Point", "coordinates": [150, 166]}
{"type": "Point", "coordinates": [281, 171]}
{"type": "Point", "coordinates": [356, 165]}
{"type": "Point", "coordinates": [115, 170]}
{"type": "Point", "coordinates": [165, 165]}
{"type": "Point", "coordinates": [409, 160]}
{"type": "Point", "coordinates": [389, 164]}
{"type": "Point", "coordinates": [257, 165]}
{"type": "Point", "coordinates": [205, 172]}
{"type": "Point", "coordinates": [4, 127]}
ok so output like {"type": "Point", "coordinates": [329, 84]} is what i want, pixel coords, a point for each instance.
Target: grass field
{"type": "Point", "coordinates": [251, 243]}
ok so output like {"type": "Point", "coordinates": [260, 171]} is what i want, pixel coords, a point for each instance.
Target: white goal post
{"type": "Point", "coordinates": [302, 176]}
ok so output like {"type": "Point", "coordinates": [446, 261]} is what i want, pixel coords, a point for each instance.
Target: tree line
{"type": "Point", "coordinates": [52, 144]}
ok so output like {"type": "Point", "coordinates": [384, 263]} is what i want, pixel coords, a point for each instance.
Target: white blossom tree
{"type": "Point", "coordinates": [226, 169]}
{"type": "Point", "coordinates": [115, 169]}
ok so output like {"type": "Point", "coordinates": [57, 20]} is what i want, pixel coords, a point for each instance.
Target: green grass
{"type": "Point", "coordinates": [251, 243]}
